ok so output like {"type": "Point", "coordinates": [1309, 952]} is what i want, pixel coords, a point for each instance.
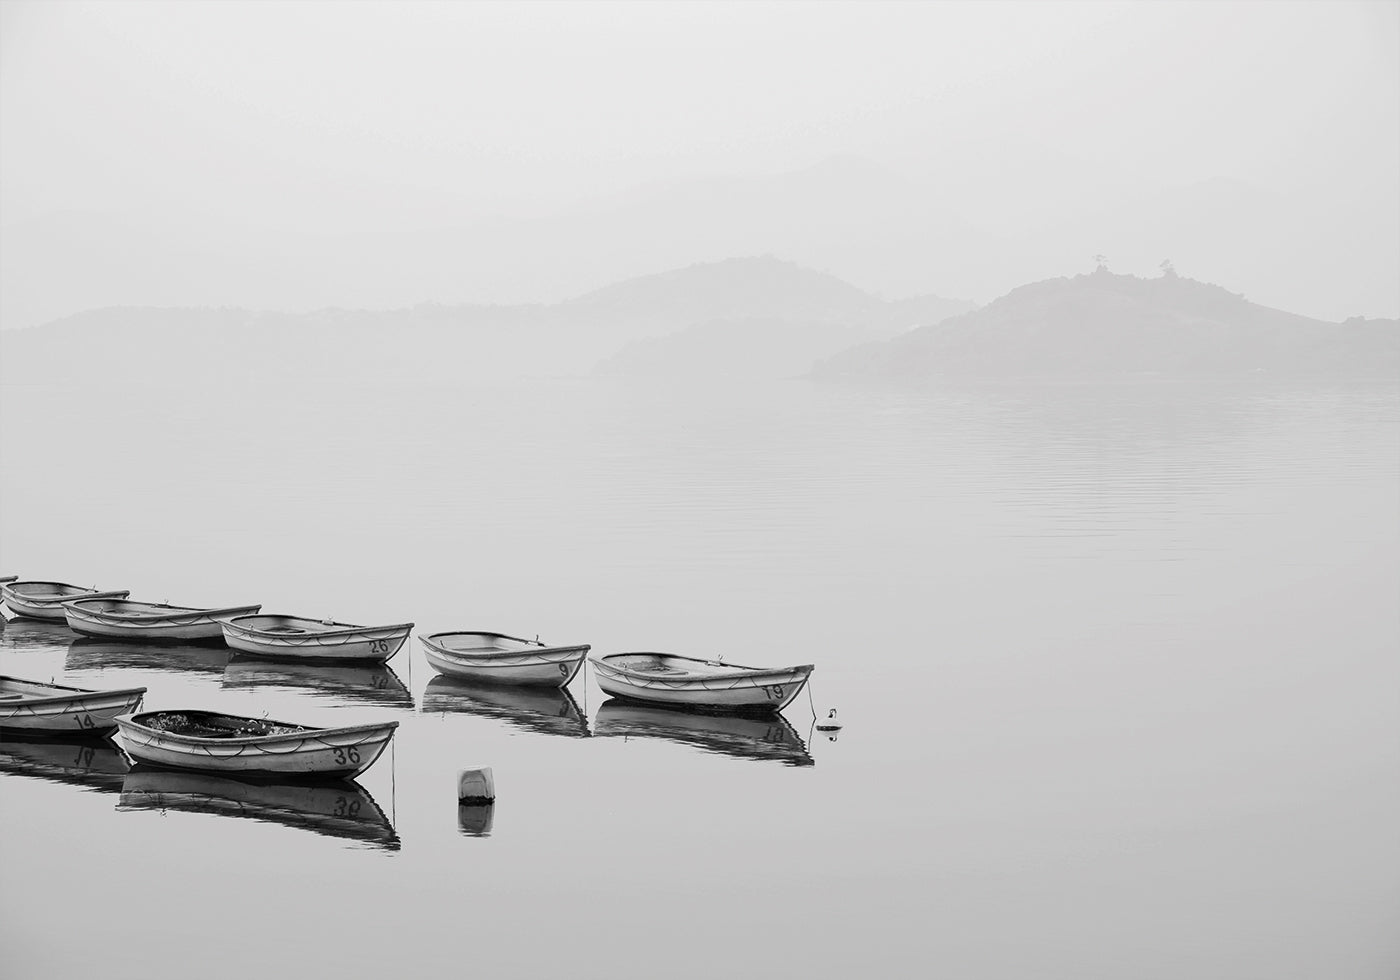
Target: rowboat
{"type": "Point", "coordinates": [88, 761]}
{"type": "Point", "coordinates": [499, 659]}
{"type": "Point", "coordinates": [30, 706]}
{"type": "Point", "coordinates": [312, 639]}
{"type": "Point", "coordinates": [211, 742]}
{"type": "Point", "coordinates": [663, 678]}
{"type": "Point", "coordinates": [44, 600]}
{"type": "Point", "coordinates": [86, 653]}
{"type": "Point", "coordinates": [760, 739]}
{"type": "Point", "coordinates": [339, 808]}
{"type": "Point", "coordinates": [123, 619]}
{"type": "Point", "coordinates": [545, 710]}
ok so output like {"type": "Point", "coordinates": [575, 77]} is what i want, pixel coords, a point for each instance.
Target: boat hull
{"type": "Point", "coordinates": [69, 710]}
{"type": "Point", "coordinates": [538, 666]}
{"type": "Point", "coordinates": [327, 753]}
{"type": "Point", "coordinates": [743, 690]}
{"type": "Point", "coordinates": [373, 643]}
{"type": "Point", "coordinates": [22, 602]}
{"type": "Point", "coordinates": [86, 617]}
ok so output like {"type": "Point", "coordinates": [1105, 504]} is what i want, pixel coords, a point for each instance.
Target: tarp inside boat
{"type": "Point", "coordinates": [207, 724]}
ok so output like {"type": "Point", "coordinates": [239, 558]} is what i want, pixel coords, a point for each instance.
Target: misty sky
{"type": "Point", "coordinates": [288, 155]}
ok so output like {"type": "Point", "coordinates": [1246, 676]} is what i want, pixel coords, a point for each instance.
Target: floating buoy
{"type": "Point", "coordinates": [476, 786]}
{"type": "Point", "coordinates": [829, 723]}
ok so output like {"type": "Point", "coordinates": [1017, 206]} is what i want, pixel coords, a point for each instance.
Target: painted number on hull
{"type": "Point", "coordinates": [352, 753]}
{"type": "Point", "coordinates": [564, 669]}
{"type": "Point", "coordinates": [378, 646]}
{"type": "Point", "coordinates": [84, 721]}
{"type": "Point", "coordinates": [777, 691]}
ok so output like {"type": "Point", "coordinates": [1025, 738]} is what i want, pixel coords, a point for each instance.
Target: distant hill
{"type": "Point", "coordinates": [1106, 325]}
{"type": "Point", "coordinates": [777, 346]}
{"type": "Point", "coordinates": [449, 343]}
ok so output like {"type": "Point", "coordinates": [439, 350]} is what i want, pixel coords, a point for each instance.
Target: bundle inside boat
{"type": "Point", "coordinates": [207, 724]}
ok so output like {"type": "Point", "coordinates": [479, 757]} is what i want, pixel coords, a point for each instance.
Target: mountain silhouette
{"type": "Point", "coordinates": [437, 341]}
{"type": "Point", "coordinates": [1107, 325]}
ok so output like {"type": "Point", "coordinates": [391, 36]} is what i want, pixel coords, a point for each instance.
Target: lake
{"type": "Point", "coordinates": [1117, 665]}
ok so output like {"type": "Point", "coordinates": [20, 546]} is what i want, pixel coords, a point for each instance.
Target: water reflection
{"type": "Point", "coordinates": [475, 820]}
{"type": "Point", "coordinates": [338, 809]}
{"type": "Point", "coordinates": [92, 762]}
{"type": "Point", "coordinates": [22, 633]}
{"type": "Point", "coordinates": [86, 653]}
{"type": "Point", "coordinates": [546, 710]}
{"type": "Point", "coordinates": [761, 739]}
{"type": "Point", "coordinates": [371, 683]}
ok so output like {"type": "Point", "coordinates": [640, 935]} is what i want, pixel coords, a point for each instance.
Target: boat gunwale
{"type": "Point", "coordinates": [175, 612]}
{"type": "Point", "coordinates": [88, 691]}
{"type": "Point", "coordinates": [339, 629]}
{"type": "Point", "coordinates": [735, 671]}
{"type": "Point", "coordinates": [7, 591]}
{"type": "Point", "coordinates": [535, 648]}
{"type": "Point", "coordinates": [302, 734]}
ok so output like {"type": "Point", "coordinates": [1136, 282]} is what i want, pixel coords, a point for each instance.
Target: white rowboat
{"type": "Point", "coordinates": [210, 742]}
{"type": "Point", "coordinates": [709, 685]}
{"type": "Point", "coordinates": [124, 619]}
{"type": "Point", "coordinates": [499, 659]}
{"type": "Point", "coordinates": [44, 600]}
{"type": "Point", "coordinates": [30, 706]}
{"type": "Point", "coordinates": [296, 638]}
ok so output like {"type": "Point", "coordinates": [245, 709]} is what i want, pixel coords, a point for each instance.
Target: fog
{"type": "Point", "coordinates": [298, 156]}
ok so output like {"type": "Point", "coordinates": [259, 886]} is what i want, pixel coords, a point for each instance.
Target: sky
{"type": "Point", "coordinates": [241, 154]}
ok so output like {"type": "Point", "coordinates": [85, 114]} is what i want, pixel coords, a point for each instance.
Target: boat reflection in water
{"type": "Point", "coordinates": [87, 653]}
{"type": "Point", "coordinates": [23, 633]}
{"type": "Point", "coordinates": [546, 710]}
{"type": "Point", "coordinates": [760, 739]}
{"type": "Point", "coordinates": [342, 808]}
{"type": "Point", "coordinates": [91, 762]}
{"type": "Point", "coordinates": [373, 683]}
{"type": "Point", "coordinates": [475, 820]}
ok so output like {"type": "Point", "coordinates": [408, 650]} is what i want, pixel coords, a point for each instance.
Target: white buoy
{"type": "Point", "coordinates": [829, 723]}
{"type": "Point", "coordinates": [476, 786]}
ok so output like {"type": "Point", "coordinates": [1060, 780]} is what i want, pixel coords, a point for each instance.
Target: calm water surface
{"type": "Point", "coordinates": [1118, 666]}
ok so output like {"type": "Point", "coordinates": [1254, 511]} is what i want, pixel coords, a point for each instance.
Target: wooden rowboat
{"type": "Point", "coordinates": [31, 706]}
{"type": "Point", "coordinates": [44, 600]}
{"type": "Point", "coordinates": [499, 659]}
{"type": "Point", "coordinates": [708, 685]}
{"type": "Point", "coordinates": [207, 741]}
{"type": "Point", "coordinates": [123, 619]}
{"type": "Point", "coordinates": [293, 637]}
